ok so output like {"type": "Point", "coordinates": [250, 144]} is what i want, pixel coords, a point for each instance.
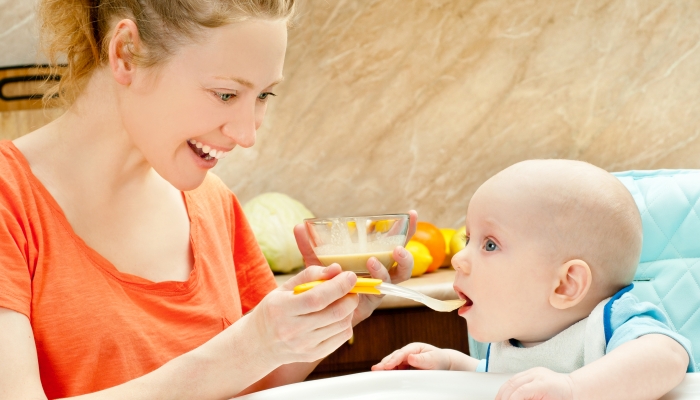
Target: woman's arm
{"type": "Point", "coordinates": [198, 374]}
{"type": "Point", "coordinates": [19, 368]}
{"type": "Point", "coordinates": [284, 328]}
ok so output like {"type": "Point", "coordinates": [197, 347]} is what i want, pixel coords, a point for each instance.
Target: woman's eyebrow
{"type": "Point", "coordinates": [246, 82]}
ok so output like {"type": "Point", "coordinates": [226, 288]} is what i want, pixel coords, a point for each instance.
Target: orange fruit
{"type": "Point", "coordinates": [432, 238]}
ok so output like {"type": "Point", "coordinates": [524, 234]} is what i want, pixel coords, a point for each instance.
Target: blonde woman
{"type": "Point", "coordinates": [126, 269]}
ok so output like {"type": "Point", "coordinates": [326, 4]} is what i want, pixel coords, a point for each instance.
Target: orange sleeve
{"type": "Point", "coordinates": [254, 276]}
{"type": "Point", "coordinates": [15, 276]}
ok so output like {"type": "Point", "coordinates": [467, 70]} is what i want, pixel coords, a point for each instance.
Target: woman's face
{"type": "Point", "coordinates": [205, 100]}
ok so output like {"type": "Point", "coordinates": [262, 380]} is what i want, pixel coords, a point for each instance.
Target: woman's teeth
{"type": "Point", "coordinates": [205, 151]}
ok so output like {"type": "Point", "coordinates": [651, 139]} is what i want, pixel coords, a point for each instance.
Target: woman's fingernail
{"type": "Point", "coordinates": [376, 265]}
{"type": "Point", "coordinates": [403, 253]}
{"type": "Point", "coordinates": [349, 276]}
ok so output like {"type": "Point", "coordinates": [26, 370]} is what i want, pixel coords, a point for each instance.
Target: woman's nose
{"type": "Point", "coordinates": [242, 126]}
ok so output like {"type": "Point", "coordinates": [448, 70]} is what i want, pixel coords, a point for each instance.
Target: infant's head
{"type": "Point", "coordinates": [547, 241]}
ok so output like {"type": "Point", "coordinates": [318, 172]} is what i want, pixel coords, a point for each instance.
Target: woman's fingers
{"type": "Point", "coordinates": [330, 344]}
{"type": "Point", "coordinates": [323, 295]}
{"type": "Point", "coordinates": [404, 267]}
{"type": "Point", "coordinates": [335, 311]}
{"type": "Point", "coordinates": [307, 252]}
{"type": "Point", "coordinates": [412, 223]}
{"type": "Point", "coordinates": [377, 270]}
{"type": "Point", "coordinates": [323, 333]}
{"type": "Point", "coordinates": [312, 273]}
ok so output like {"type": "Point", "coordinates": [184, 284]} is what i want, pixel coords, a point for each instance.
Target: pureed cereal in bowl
{"type": "Point", "coordinates": [351, 241]}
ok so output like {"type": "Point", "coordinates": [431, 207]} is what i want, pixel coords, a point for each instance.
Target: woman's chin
{"type": "Point", "coordinates": [185, 181]}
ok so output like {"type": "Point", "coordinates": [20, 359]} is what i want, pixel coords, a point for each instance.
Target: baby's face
{"type": "Point", "coordinates": [506, 271]}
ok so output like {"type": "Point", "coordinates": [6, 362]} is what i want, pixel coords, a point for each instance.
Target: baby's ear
{"type": "Point", "coordinates": [572, 284]}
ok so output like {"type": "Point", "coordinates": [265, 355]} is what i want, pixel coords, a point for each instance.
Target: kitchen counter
{"type": "Point", "coordinates": [436, 284]}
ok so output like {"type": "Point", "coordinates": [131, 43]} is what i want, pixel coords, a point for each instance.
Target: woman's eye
{"type": "Point", "coordinates": [466, 240]}
{"type": "Point", "coordinates": [225, 96]}
{"type": "Point", "coordinates": [490, 245]}
{"type": "Point", "coordinates": [263, 96]}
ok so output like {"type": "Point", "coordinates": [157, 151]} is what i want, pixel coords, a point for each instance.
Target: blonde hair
{"type": "Point", "coordinates": [79, 30]}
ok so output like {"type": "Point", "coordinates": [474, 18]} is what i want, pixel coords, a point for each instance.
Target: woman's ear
{"type": "Point", "coordinates": [573, 281]}
{"type": "Point", "coordinates": [123, 46]}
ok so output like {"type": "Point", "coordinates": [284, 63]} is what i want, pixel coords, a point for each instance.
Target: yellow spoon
{"type": "Point", "coordinates": [377, 286]}
{"type": "Point", "coordinates": [363, 286]}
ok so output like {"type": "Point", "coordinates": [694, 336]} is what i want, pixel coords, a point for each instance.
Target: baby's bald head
{"type": "Point", "coordinates": [580, 211]}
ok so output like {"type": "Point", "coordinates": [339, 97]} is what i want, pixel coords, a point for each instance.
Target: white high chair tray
{"type": "Point", "coordinates": [420, 385]}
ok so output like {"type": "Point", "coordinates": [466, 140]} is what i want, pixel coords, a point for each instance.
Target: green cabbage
{"type": "Point", "coordinates": [273, 217]}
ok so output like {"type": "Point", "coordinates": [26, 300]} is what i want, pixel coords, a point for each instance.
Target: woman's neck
{"type": "Point", "coordinates": [89, 144]}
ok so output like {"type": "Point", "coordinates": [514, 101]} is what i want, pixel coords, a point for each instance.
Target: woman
{"type": "Point", "coordinates": [128, 271]}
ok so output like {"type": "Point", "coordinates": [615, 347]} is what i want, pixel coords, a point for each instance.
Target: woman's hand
{"type": "Point", "coordinates": [400, 273]}
{"type": "Point", "coordinates": [307, 326]}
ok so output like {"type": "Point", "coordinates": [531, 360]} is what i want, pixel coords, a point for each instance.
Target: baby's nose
{"type": "Point", "coordinates": [460, 261]}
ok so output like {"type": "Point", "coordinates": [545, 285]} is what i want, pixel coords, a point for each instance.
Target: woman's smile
{"type": "Point", "coordinates": [207, 152]}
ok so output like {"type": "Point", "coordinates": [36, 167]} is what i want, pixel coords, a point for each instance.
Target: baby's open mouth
{"type": "Point", "coordinates": [204, 151]}
{"type": "Point", "coordinates": [465, 297]}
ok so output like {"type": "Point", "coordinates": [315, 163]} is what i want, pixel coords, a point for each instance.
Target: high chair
{"type": "Point", "coordinates": [668, 274]}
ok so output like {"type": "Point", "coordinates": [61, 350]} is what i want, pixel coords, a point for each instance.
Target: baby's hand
{"type": "Point", "coordinates": [537, 383]}
{"type": "Point", "coordinates": [415, 355]}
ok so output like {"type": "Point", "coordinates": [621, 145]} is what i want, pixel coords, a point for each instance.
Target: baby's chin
{"type": "Point", "coordinates": [485, 337]}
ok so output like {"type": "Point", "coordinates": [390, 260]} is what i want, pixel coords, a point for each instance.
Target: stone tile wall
{"type": "Point", "coordinates": [391, 104]}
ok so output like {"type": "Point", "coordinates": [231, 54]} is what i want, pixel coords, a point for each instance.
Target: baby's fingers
{"type": "Point", "coordinates": [399, 357]}
{"type": "Point", "coordinates": [537, 383]}
{"type": "Point", "coordinates": [427, 360]}
{"type": "Point", "coordinates": [514, 385]}
{"type": "Point", "coordinates": [392, 361]}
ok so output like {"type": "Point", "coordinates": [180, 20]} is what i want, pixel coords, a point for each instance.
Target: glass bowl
{"type": "Point", "coordinates": [351, 241]}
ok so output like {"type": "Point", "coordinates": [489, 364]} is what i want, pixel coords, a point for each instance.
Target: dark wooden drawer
{"type": "Point", "coordinates": [390, 329]}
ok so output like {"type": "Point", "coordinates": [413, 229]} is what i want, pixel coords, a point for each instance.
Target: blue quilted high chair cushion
{"type": "Point", "coordinates": [669, 270]}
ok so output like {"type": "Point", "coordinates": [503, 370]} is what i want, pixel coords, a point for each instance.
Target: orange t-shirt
{"type": "Point", "coordinates": [96, 327]}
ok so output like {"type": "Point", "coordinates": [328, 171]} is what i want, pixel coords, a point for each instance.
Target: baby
{"type": "Point", "coordinates": [552, 248]}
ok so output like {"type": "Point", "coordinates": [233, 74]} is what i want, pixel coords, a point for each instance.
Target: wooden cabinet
{"type": "Point", "coordinates": [389, 329]}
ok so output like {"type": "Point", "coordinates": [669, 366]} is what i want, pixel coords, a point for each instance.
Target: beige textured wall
{"type": "Point", "coordinates": [394, 104]}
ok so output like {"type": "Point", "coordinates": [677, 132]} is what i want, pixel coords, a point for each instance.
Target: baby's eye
{"type": "Point", "coordinates": [490, 245]}
{"type": "Point", "coordinates": [263, 96]}
{"type": "Point", "coordinates": [464, 237]}
{"type": "Point", "coordinates": [225, 97]}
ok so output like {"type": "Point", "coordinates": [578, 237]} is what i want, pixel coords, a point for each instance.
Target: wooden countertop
{"type": "Point", "coordinates": [436, 284]}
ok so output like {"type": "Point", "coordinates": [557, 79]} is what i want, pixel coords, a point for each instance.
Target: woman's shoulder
{"type": "Point", "coordinates": [14, 178]}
